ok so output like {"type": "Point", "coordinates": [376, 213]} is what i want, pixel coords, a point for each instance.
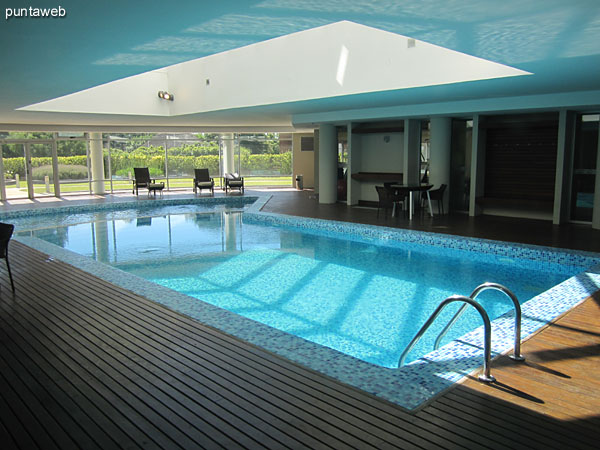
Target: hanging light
{"type": "Point", "coordinates": [165, 95]}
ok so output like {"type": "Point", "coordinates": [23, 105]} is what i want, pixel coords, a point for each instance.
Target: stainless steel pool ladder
{"type": "Point", "coordinates": [478, 290]}
{"type": "Point", "coordinates": [487, 329]}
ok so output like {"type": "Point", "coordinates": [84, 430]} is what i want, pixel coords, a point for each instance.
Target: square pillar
{"type": "Point", "coordinates": [477, 166]}
{"type": "Point", "coordinates": [596, 213]}
{"type": "Point", "coordinates": [354, 162]}
{"type": "Point", "coordinates": [564, 166]}
{"type": "Point", "coordinates": [412, 152]}
{"type": "Point", "coordinates": [440, 144]}
{"type": "Point", "coordinates": [328, 162]}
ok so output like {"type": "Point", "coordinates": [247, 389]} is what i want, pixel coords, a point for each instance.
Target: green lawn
{"type": "Point", "coordinates": [176, 183]}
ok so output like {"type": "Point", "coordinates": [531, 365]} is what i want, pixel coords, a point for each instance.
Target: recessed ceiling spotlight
{"type": "Point", "coordinates": [165, 95]}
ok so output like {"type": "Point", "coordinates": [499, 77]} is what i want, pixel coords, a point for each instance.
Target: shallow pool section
{"type": "Point", "coordinates": [356, 295]}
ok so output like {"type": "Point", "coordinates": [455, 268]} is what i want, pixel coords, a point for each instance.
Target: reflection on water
{"type": "Point", "coordinates": [150, 239]}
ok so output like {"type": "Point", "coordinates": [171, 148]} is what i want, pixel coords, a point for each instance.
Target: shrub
{"type": "Point", "coordinates": [65, 172]}
{"type": "Point", "coordinates": [122, 163]}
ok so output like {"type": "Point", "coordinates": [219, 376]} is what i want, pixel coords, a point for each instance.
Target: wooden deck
{"type": "Point", "coordinates": [85, 364]}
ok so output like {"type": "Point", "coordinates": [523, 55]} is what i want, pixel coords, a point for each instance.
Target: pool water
{"type": "Point", "coordinates": [364, 297]}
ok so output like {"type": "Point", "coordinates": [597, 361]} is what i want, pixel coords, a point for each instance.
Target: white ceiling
{"type": "Point", "coordinates": [101, 42]}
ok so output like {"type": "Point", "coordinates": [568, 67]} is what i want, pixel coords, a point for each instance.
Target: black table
{"type": "Point", "coordinates": [410, 188]}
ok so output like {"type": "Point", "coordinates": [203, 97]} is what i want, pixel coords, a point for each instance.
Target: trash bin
{"type": "Point", "coordinates": [299, 182]}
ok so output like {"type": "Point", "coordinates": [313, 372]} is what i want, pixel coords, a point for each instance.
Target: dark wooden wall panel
{"type": "Point", "coordinates": [521, 161]}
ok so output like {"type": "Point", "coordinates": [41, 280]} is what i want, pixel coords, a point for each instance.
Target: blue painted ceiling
{"type": "Point", "coordinates": [105, 40]}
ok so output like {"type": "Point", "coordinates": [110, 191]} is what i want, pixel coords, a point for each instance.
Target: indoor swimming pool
{"type": "Point", "coordinates": [353, 294]}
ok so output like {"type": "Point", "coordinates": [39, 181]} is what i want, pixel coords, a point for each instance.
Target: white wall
{"type": "Point", "coordinates": [303, 163]}
{"type": "Point", "coordinates": [377, 155]}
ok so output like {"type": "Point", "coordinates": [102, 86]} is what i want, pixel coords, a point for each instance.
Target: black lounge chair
{"type": "Point", "coordinates": [234, 181]}
{"type": "Point", "coordinates": [202, 180]}
{"type": "Point", "coordinates": [6, 231]}
{"type": "Point", "coordinates": [142, 180]}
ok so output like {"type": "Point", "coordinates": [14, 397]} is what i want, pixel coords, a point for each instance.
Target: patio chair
{"type": "Point", "coordinates": [388, 197]}
{"type": "Point", "coordinates": [142, 179]}
{"type": "Point", "coordinates": [436, 194]}
{"type": "Point", "coordinates": [6, 231]}
{"type": "Point", "coordinates": [234, 181]}
{"type": "Point", "coordinates": [202, 180]}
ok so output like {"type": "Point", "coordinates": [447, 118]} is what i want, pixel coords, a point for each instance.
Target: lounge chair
{"type": "Point", "coordinates": [142, 180]}
{"type": "Point", "coordinates": [6, 231]}
{"type": "Point", "coordinates": [202, 180]}
{"type": "Point", "coordinates": [234, 181]}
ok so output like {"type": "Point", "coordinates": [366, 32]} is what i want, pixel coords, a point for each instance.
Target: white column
{"type": "Point", "coordinates": [596, 213]}
{"type": "Point", "coordinates": [564, 166]}
{"type": "Point", "coordinates": [29, 171]}
{"type": "Point", "coordinates": [327, 164]}
{"type": "Point", "coordinates": [2, 179]}
{"type": "Point", "coordinates": [477, 166]}
{"type": "Point", "coordinates": [97, 163]}
{"type": "Point", "coordinates": [55, 172]}
{"type": "Point", "coordinates": [316, 160]}
{"type": "Point", "coordinates": [412, 152]}
{"type": "Point", "coordinates": [228, 153]}
{"type": "Point", "coordinates": [440, 144]}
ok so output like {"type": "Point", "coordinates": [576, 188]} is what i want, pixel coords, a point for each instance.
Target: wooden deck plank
{"type": "Point", "coordinates": [514, 419]}
{"type": "Point", "coordinates": [72, 422]}
{"type": "Point", "coordinates": [108, 393]}
{"type": "Point", "coordinates": [24, 409]}
{"type": "Point", "coordinates": [5, 435]}
{"type": "Point", "coordinates": [19, 431]}
{"type": "Point", "coordinates": [493, 427]}
{"type": "Point", "coordinates": [474, 436]}
{"type": "Point", "coordinates": [110, 345]}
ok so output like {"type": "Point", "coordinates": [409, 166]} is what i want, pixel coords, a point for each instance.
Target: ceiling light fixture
{"type": "Point", "coordinates": [165, 95]}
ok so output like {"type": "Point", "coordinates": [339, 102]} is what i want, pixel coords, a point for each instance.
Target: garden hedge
{"type": "Point", "coordinates": [123, 163]}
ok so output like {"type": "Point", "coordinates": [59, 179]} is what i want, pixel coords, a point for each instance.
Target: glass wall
{"type": "Point", "coordinates": [185, 155]}
{"type": "Point", "coordinates": [124, 152]}
{"type": "Point", "coordinates": [73, 166]}
{"type": "Point", "coordinates": [42, 172]}
{"type": "Point", "coordinates": [263, 159]}
{"type": "Point", "coordinates": [13, 159]}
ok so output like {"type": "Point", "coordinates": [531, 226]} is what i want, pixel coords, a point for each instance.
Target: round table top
{"type": "Point", "coordinates": [412, 187]}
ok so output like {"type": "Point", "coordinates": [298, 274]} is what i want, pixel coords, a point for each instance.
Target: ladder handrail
{"type": "Point", "coordinates": [487, 333]}
{"type": "Point", "coordinates": [478, 290]}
